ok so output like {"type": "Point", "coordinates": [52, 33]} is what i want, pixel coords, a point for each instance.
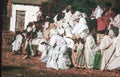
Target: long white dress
{"type": "Point", "coordinates": [90, 49]}
{"type": "Point", "coordinates": [53, 51]}
{"type": "Point", "coordinates": [57, 58]}
{"type": "Point", "coordinates": [43, 48]}
{"type": "Point", "coordinates": [115, 60]}
{"type": "Point", "coordinates": [17, 43]}
{"type": "Point", "coordinates": [110, 53]}
{"type": "Point", "coordinates": [105, 46]}
{"type": "Point", "coordinates": [52, 58]}
{"type": "Point", "coordinates": [63, 58]}
{"type": "Point", "coordinates": [111, 56]}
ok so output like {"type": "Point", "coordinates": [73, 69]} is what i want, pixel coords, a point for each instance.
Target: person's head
{"type": "Point", "coordinates": [29, 35]}
{"type": "Point", "coordinates": [68, 8]}
{"type": "Point", "coordinates": [107, 6]}
{"type": "Point", "coordinates": [34, 35]}
{"type": "Point", "coordinates": [93, 5]}
{"type": "Point", "coordinates": [114, 11]}
{"type": "Point", "coordinates": [73, 9]}
{"type": "Point", "coordinates": [51, 20]}
{"type": "Point", "coordinates": [54, 13]}
{"type": "Point", "coordinates": [30, 24]}
{"type": "Point", "coordinates": [43, 17]}
{"type": "Point", "coordinates": [60, 16]}
{"type": "Point", "coordinates": [18, 32]}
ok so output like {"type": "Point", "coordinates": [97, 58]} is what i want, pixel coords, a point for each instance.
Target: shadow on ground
{"type": "Point", "coordinates": [9, 68]}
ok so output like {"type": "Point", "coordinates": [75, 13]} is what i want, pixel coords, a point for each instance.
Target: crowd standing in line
{"type": "Point", "coordinates": [71, 38]}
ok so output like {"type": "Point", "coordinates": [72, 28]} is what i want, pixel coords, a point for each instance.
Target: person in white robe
{"type": "Point", "coordinates": [77, 33]}
{"type": "Point", "coordinates": [53, 51]}
{"type": "Point", "coordinates": [43, 47]}
{"type": "Point", "coordinates": [107, 47]}
{"type": "Point", "coordinates": [115, 59]}
{"type": "Point", "coordinates": [70, 44]}
{"type": "Point", "coordinates": [66, 20]}
{"type": "Point", "coordinates": [64, 61]}
{"type": "Point", "coordinates": [115, 17]}
{"type": "Point", "coordinates": [16, 44]}
{"type": "Point", "coordinates": [96, 11]}
{"type": "Point", "coordinates": [80, 27]}
{"type": "Point", "coordinates": [75, 17]}
{"type": "Point", "coordinates": [90, 49]}
{"type": "Point", "coordinates": [59, 22]}
{"type": "Point", "coordinates": [58, 55]}
{"type": "Point", "coordinates": [111, 56]}
{"type": "Point", "coordinates": [68, 13]}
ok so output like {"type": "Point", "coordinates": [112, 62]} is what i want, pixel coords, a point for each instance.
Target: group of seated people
{"type": "Point", "coordinates": [73, 39]}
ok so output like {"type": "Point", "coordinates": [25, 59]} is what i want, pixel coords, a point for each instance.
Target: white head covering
{"type": "Point", "coordinates": [29, 29]}
{"type": "Point", "coordinates": [64, 11]}
{"type": "Point", "coordinates": [82, 21]}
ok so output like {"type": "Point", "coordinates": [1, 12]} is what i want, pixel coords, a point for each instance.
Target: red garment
{"type": "Point", "coordinates": [103, 22]}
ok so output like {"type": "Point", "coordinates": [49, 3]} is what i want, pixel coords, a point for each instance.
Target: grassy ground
{"type": "Point", "coordinates": [16, 66]}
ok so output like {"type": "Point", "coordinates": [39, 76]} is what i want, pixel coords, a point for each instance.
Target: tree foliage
{"type": "Point", "coordinates": [59, 5]}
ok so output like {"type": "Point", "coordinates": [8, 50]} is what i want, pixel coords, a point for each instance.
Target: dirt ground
{"type": "Point", "coordinates": [16, 66]}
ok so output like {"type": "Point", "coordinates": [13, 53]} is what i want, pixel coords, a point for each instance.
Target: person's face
{"type": "Point", "coordinates": [72, 11]}
{"type": "Point", "coordinates": [67, 9]}
{"type": "Point", "coordinates": [106, 8]}
{"type": "Point", "coordinates": [113, 14]}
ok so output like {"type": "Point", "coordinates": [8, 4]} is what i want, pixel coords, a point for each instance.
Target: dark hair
{"type": "Point", "coordinates": [28, 34]}
{"type": "Point", "coordinates": [59, 16]}
{"type": "Point", "coordinates": [30, 24]}
{"type": "Point", "coordinates": [18, 32]}
{"type": "Point", "coordinates": [51, 20]}
{"type": "Point", "coordinates": [108, 4]}
{"type": "Point", "coordinates": [93, 5]}
{"type": "Point", "coordinates": [73, 8]}
{"type": "Point", "coordinates": [116, 10]}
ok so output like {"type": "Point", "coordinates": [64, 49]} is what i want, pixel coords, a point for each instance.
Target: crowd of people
{"type": "Point", "coordinates": [71, 38]}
